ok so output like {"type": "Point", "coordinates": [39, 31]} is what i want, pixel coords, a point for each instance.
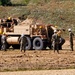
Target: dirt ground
{"type": "Point", "coordinates": [41, 72]}
{"type": "Point", "coordinates": [37, 59]}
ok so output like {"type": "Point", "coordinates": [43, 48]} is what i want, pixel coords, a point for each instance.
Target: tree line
{"type": "Point", "coordinates": [23, 2]}
{"type": "Point", "coordinates": [9, 3]}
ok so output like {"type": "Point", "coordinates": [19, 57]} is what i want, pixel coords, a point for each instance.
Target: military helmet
{"type": "Point", "coordinates": [3, 32]}
{"type": "Point", "coordinates": [9, 18]}
{"type": "Point", "coordinates": [55, 31]}
{"type": "Point", "coordinates": [22, 35]}
{"type": "Point", "coordinates": [56, 26]}
{"type": "Point", "coordinates": [40, 27]}
{"type": "Point", "coordinates": [69, 29]}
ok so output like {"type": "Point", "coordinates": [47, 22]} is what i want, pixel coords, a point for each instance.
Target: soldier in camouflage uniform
{"type": "Point", "coordinates": [3, 42]}
{"type": "Point", "coordinates": [71, 38]}
{"type": "Point", "coordinates": [0, 42]}
{"type": "Point", "coordinates": [23, 41]}
{"type": "Point", "coordinates": [55, 41]}
{"type": "Point", "coordinates": [0, 35]}
{"type": "Point", "coordinates": [61, 40]}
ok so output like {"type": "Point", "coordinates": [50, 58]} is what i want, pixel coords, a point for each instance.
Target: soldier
{"type": "Point", "coordinates": [55, 41]}
{"type": "Point", "coordinates": [3, 42]}
{"type": "Point", "coordinates": [0, 41]}
{"type": "Point", "coordinates": [71, 38]}
{"type": "Point", "coordinates": [61, 40]}
{"type": "Point", "coordinates": [23, 41]}
{"type": "Point", "coordinates": [0, 37]}
{"type": "Point", "coordinates": [9, 21]}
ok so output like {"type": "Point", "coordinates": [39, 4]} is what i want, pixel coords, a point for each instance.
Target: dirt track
{"type": "Point", "coordinates": [41, 72]}
{"type": "Point", "coordinates": [39, 59]}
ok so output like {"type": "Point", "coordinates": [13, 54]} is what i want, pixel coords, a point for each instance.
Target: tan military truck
{"type": "Point", "coordinates": [38, 35]}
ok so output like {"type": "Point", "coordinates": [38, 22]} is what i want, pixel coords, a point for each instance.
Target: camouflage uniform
{"type": "Point", "coordinates": [71, 39]}
{"type": "Point", "coordinates": [9, 22]}
{"type": "Point", "coordinates": [55, 42]}
{"type": "Point", "coordinates": [23, 41]}
{"type": "Point", "coordinates": [3, 42]}
{"type": "Point", "coordinates": [0, 42]}
{"type": "Point", "coordinates": [61, 40]}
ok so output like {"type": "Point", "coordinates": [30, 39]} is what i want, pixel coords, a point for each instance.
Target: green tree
{"type": "Point", "coordinates": [5, 2]}
{"type": "Point", "coordinates": [0, 2]}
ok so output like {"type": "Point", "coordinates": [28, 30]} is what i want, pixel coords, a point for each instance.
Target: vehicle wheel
{"type": "Point", "coordinates": [28, 44]}
{"type": "Point", "coordinates": [38, 43]}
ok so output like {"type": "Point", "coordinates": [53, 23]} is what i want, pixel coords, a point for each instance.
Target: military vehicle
{"type": "Point", "coordinates": [38, 35]}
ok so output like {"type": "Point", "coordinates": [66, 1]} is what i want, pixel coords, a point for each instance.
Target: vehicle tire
{"type": "Point", "coordinates": [28, 44]}
{"type": "Point", "coordinates": [38, 44]}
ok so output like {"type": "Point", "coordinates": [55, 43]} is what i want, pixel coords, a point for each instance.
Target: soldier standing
{"type": "Point", "coordinates": [3, 42]}
{"type": "Point", "coordinates": [55, 41]}
{"type": "Point", "coordinates": [71, 38]}
{"type": "Point", "coordinates": [61, 40]}
{"type": "Point", "coordinates": [23, 41]}
{"type": "Point", "coordinates": [0, 42]}
{"type": "Point", "coordinates": [0, 35]}
{"type": "Point", "coordinates": [9, 21]}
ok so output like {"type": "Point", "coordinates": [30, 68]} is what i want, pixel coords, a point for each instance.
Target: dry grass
{"type": "Point", "coordinates": [56, 12]}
